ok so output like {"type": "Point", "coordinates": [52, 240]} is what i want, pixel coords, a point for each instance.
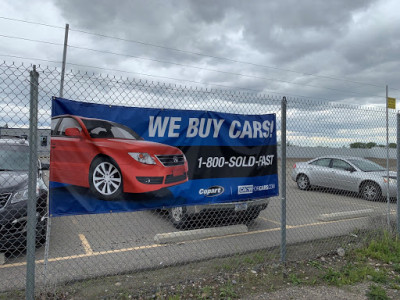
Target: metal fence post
{"type": "Point", "coordinates": [283, 180]}
{"type": "Point", "coordinates": [33, 167]}
{"type": "Point", "coordinates": [387, 160]}
{"type": "Point", "coordinates": [64, 60]}
{"type": "Point", "coordinates": [398, 173]}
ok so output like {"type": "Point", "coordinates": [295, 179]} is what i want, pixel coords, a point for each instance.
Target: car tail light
{"type": "Point", "coordinates": [294, 166]}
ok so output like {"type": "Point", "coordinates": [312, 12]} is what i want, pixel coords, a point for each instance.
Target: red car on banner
{"type": "Point", "coordinates": [110, 158]}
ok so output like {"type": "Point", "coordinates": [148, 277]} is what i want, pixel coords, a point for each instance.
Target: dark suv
{"type": "Point", "coordinates": [14, 162]}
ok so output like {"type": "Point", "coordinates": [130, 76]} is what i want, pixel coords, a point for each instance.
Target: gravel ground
{"type": "Point", "coordinates": [252, 276]}
{"type": "Point", "coordinates": [319, 292]}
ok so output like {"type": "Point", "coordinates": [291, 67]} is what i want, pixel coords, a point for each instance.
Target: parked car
{"type": "Point", "coordinates": [352, 174]}
{"type": "Point", "coordinates": [213, 214]}
{"type": "Point", "coordinates": [110, 158]}
{"type": "Point", "coordinates": [14, 164]}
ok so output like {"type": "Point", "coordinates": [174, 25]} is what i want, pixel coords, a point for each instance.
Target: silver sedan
{"type": "Point", "coordinates": [352, 174]}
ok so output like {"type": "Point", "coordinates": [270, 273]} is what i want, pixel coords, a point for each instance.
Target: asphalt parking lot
{"type": "Point", "coordinates": [91, 245]}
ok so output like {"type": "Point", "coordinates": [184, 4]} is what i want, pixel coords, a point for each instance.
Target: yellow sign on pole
{"type": "Point", "coordinates": [391, 103]}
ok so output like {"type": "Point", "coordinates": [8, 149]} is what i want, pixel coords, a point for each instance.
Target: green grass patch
{"type": "Point", "coordinates": [374, 258]}
{"type": "Point", "coordinates": [385, 248]}
{"type": "Point", "coordinates": [206, 293]}
{"type": "Point", "coordinates": [294, 279]}
{"type": "Point", "coordinates": [351, 274]}
{"type": "Point", "coordinates": [228, 291]}
{"type": "Point", "coordinates": [316, 264]}
{"type": "Point", "coordinates": [376, 292]}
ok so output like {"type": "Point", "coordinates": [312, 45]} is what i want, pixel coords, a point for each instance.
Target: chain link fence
{"type": "Point", "coordinates": [324, 199]}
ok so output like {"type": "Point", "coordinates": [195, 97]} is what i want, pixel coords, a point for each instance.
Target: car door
{"type": "Point", "coordinates": [319, 172]}
{"type": "Point", "coordinates": [343, 175]}
{"type": "Point", "coordinates": [69, 155]}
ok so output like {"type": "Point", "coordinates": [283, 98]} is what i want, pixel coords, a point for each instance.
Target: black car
{"type": "Point", "coordinates": [14, 162]}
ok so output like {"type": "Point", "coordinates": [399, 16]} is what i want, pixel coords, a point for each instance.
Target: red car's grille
{"type": "Point", "coordinates": [173, 179]}
{"type": "Point", "coordinates": [171, 160]}
{"type": "Point", "coordinates": [4, 198]}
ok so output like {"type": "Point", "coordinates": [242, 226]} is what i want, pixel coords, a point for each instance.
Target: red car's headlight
{"type": "Point", "coordinates": [142, 157]}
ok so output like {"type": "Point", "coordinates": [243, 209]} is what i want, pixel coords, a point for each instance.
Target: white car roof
{"type": "Point", "coordinates": [15, 141]}
{"type": "Point", "coordinates": [338, 157]}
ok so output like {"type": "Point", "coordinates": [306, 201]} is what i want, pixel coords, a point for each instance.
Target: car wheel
{"type": "Point", "coordinates": [41, 231]}
{"type": "Point", "coordinates": [371, 191]}
{"type": "Point", "coordinates": [303, 182]}
{"type": "Point", "coordinates": [178, 216]}
{"type": "Point", "coordinates": [105, 179]}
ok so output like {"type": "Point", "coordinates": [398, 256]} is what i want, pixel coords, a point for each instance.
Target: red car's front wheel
{"type": "Point", "coordinates": [105, 179]}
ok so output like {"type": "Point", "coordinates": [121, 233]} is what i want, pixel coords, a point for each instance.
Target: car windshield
{"type": "Point", "coordinates": [366, 165]}
{"type": "Point", "coordinates": [14, 158]}
{"type": "Point", "coordinates": [99, 129]}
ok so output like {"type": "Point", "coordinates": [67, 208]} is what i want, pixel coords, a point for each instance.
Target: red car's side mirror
{"type": "Point", "coordinates": [73, 132]}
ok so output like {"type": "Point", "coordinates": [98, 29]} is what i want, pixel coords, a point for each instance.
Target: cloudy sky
{"type": "Point", "coordinates": [342, 51]}
{"type": "Point", "coordinates": [331, 50]}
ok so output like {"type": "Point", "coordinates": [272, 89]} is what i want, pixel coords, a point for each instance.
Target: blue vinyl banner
{"type": "Point", "coordinates": [114, 159]}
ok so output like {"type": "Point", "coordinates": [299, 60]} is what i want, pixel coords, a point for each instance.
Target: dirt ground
{"type": "Point", "coordinates": [257, 275]}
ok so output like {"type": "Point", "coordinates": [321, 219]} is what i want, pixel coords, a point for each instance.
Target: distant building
{"type": "Point", "coordinates": [43, 136]}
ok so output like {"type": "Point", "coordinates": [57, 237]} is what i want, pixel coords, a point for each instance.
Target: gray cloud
{"type": "Point", "coordinates": [350, 40]}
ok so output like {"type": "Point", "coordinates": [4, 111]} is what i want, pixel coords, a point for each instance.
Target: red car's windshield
{"type": "Point", "coordinates": [99, 129]}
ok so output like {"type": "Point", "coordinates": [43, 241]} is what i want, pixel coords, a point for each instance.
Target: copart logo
{"type": "Point", "coordinates": [245, 189]}
{"type": "Point", "coordinates": [213, 191]}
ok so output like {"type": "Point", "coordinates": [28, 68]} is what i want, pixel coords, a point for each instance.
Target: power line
{"type": "Point", "coordinates": [223, 58]}
{"type": "Point", "coordinates": [199, 54]}
{"type": "Point", "coordinates": [31, 22]}
{"type": "Point", "coordinates": [181, 65]}
{"type": "Point", "coordinates": [156, 76]}
{"type": "Point", "coordinates": [138, 73]}
{"type": "Point", "coordinates": [30, 40]}
{"type": "Point", "coordinates": [31, 58]}
{"type": "Point", "coordinates": [229, 87]}
{"type": "Point", "coordinates": [182, 80]}
{"type": "Point", "coordinates": [178, 64]}
{"type": "Point", "coordinates": [197, 82]}
{"type": "Point", "coordinates": [211, 70]}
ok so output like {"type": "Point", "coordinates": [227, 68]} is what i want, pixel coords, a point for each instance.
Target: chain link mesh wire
{"type": "Point", "coordinates": [332, 193]}
{"type": "Point", "coordinates": [14, 163]}
{"type": "Point", "coordinates": [86, 246]}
